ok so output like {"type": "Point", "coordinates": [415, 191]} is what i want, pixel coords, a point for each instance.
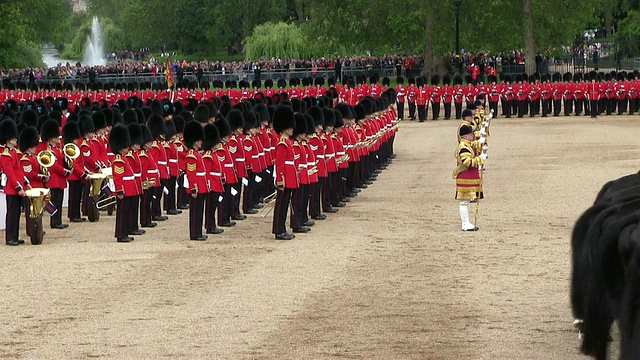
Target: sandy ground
{"type": "Point", "coordinates": [391, 276]}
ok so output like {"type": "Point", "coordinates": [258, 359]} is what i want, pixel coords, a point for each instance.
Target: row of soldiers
{"type": "Point", "coordinates": [522, 95]}
{"type": "Point", "coordinates": [223, 157]}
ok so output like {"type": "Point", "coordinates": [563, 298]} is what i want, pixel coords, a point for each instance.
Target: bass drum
{"type": "Point", "coordinates": [93, 212]}
{"type": "Point", "coordinates": [37, 234]}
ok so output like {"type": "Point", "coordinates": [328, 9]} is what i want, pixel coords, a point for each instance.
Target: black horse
{"type": "Point", "coordinates": [605, 265]}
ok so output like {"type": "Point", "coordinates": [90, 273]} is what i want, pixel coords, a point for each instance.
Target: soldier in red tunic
{"type": "Point", "coordinates": [213, 168]}
{"type": "Point", "coordinates": [50, 136]}
{"type": "Point", "coordinates": [285, 176]}
{"type": "Point", "coordinates": [158, 130]}
{"type": "Point", "coordinates": [124, 180]}
{"type": "Point", "coordinates": [197, 178]}
{"type": "Point", "coordinates": [78, 176]}
{"type": "Point", "coordinates": [150, 178]}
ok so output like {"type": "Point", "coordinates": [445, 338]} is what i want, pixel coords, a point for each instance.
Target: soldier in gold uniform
{"type": "Point", "coordinates": [467, 174]}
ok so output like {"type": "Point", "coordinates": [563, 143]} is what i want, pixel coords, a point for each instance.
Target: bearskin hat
{"type": "Point", "coordinates": [329, 117]}
{"type": "Point", "coordinates": [193, 132]}
{"type": "Point", "coordinates": [179, 123]}
{"type": "Point", "coordinates": [108, 116]}
{"type": "Point", "coordinates": [235, 119]}
{"type": "Point", "coordinates": [262, 112]}
{"type": "Point", "coordinates": [8, 131]}
{"type": "Point", "coordinates": [282, 83]}
{"type": "Point", "coordinates": [360, 111]}
{"type": "Point", "coordinates": [49, 129]}
{"type": "Point", "coordinates": [446, 80]}
{"type": "Point", "coordinates": [146, 134]}
{"type": "Point", "coordinates": [566, 77]}
{"type": "Point", "coordinates": [142, 118]}
{"type": "Point", "coordinates": [223, 127]}
{"type": "Point", "coordinates": [345, 110]}
{"type": "Point", "coordinates": [29, 118]}
{"type": "Point", "coordinates": [157, 127]}
{"type": "Point", "coordinates": [211, 137]}
{"type": "Point", "coordinates": [119, 138]}
{"type": "Point", "coordinates": [283, 119]}
{"type": "Point", "coordinates": [129, 116]}
{"type": "Point", "coordinates": [99, 120]}
{"type": "Point", "coordinates": [317, 114]}
{"type": "Point", "coordinates": [71, 132]}
{"type": "Point", "coordinates": [300, 124]}
{"type": "Point", "coordinates": [135, 132]}
{"type": "Point", "coordinates": [201, 114]}
{"type": "Point", "coordinates": [339, 119]}
{"type": "Point", "coordinates": [268, 83]}
{"type": "Point", "coordinates": [85, 123]}
{"type": "Point", "coordinates": [435, 80]}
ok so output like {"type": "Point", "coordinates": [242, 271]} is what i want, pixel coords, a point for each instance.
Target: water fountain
{"type": "Point", "coordinates": [94, 53]}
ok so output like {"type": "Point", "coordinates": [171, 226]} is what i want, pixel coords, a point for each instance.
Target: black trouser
{"type": "Point", "coordinates": [75, 195]}
{"type": "Point", "coordinates": [505, 107]}
{"type": "Point", "coordinates": [602, 105]}
{"type": "Point", "coordinates": [306, 200]}
{"type": "Point", "coordinates": [514, 107]}
{"type": "Point", "coordinates": [568, 107]}
{"type": "Point", "coordinates": [522, 107]}
{"type": "Point", "coordinates": [508, 109]}
{"type": "Point", "coordinates": [412, 110]}
{"type": "Point", "coordinates": [611, 106]}
{"type": "Point", "coordinates": [170, 197]}
{"type": "Point", "coordinates": [196, 207]}
{"type": "Point", "coordinates": [315, 197]}
{"type": "Point", "coordinates": [534, 107]}
{"type": "Point", "coordinates": [156, 210]}
{"type": "Point", "coordinates": [210, 212]}
{"type": "Point", "coordinates": [447, 110]}
{"type": "Point", "coordinates": [557, 104]}
{"type": "Point", "coordinates": [351, 177]}
{"type": "Point", "coordinates": [493, 105]}
{"type": "Point", "coordinates": [632, 106]}
{"type": "Point", "coordinates": [280, 209]}
{"type": "Point", "coordinates": [622, 106]}
{"type": "Point", "coordinates": [57, 195]}
{"type": "Point", "coordinates": [13, 217]}
{"type": "Point", "coordinates": [400, 106]}
{"type": "Point", "coordinates": [327, 191]}
{"type": "Point", "coordinates": [579, 106]}
{"type": "Point", "coordinates": [183, 196]}
{"type": "Point", "coordinates": [298, 208]}
{"type": "Point", "coordinates": [145, 206]}
{"type": "Point", "coordinates": [422, 112]}
{"type": "Point", "coordinates": [235, 200]}
{"type": "Point", "coordinates": [593, 108]}
{"type": "Point", "coordinates": [459, 110]}
{"type": "Point", "coordinates": [436, 110]}
{"type": "Point", "coordinates": [545, 107]}
{"type": "Point", "coordinates": [134, 209]}
{"type": "Point", "coordinates": [85, 196]}
{"type": "Point", "coordinates": [249, 194]}
{"type": "Point", "coordinates": [123, 216]}
{"type": "Point", "coordinates": [226, 206]}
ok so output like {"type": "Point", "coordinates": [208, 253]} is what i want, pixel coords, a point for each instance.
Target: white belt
{"type": "Point", "coordinates": [340, 154]}
{"type": "Point", "coordinates": [201, 173]}
{"type": "Point", "coordinates": [137, 175]}
{"type": "Point", "coordinates": [173, 160]}
{"type": "Point", "coordinates": [329, 156]}
{"type": "Point", "coordinates": [255, 156]}
{"type": "Point", "coordinates": [304, 166]}
{"type": "Point", "coordinates": [155, 171]}
{"type": "Point", "coordinates": [215, 174]}
{"type": "Point", "coordinates": [110, 154]}
{"type": "Point", "coordinates": [228, 165]}
{"type": "Point", "coordinates": [162, 162]}
{"type": "Point", "coordinates": [240, 159]}
{"type": "Point", "coordinates": [289, 163]}
{"type": "Point", "coordinates": [261, 153]}
{"type": "Point", "coordinates": [127, 178]}
{"type": "Point", "coordinates": [320, 156]}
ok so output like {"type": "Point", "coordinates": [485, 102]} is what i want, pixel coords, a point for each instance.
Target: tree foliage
{"type": "Point", "coordinates": [279, 40]}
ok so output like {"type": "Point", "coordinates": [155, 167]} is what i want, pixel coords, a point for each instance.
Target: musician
{"type": "Point", "coordinates": [458, 96]}
{"type": "Point", "coordinates": [78, 176]}
{"type": "Point", "coordinates": [158, 130]}
{"type": "Point", "coordinates": [412, 94]}
{"type": "Point", "coordinates": [213, 168]}
{"type": "Point", "coordinates": [436, 95]}
{"type": "Point", "coordinates": [133, 160]}
{"type": "Point", "coordinates": [150, 178]}
{"type": "Point", "coordinates": [58, 174]}
{"type": "Point", "coordinates": [182, 199]}
{"type": "Point", "coordinates": [423, 96]}
{"type": "Point", "coordinates": [298, 207]}
{"type": "Point", "coordinates": [285, 176]}
{"type": "Point", "coordinates": [447, 96]}
{"type": "Point", "coordinates": [126, 189]}
{"type": "Point", "coordinates": [27, 143]}
{"type": "Point", "coordinates": [236, 150]}
{"type": "Point", "coordinates": [15, 180]}
{"type": "Point", "coordinates": [329, 187]}
{"type": "Point", "coordinates": [593, 94]}
{"type": "Point", "coordinates": [90, 154]}
{"type": "Point", "coordinates": [467, 175]}
{"type": "Point", "coordinates": [317, 146]}
{"type": "Point", "coordinates": [569, 91]}
{"type": "Point", "coordinates": [341, 162]}
{"type": "Point", "coordinates": [252, 161]}
{"type": "Point", "coordinates": [197, 178]}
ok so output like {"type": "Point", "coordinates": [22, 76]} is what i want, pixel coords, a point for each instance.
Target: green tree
{"type": "Point", "coordinates": [276, 40]}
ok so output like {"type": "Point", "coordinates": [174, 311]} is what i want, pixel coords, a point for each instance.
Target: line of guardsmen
{"type": "Point", "coordinates": [228, 162]}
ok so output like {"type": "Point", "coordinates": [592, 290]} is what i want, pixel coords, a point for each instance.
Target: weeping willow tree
{"type": "Point", "coordinates": [276, 40]}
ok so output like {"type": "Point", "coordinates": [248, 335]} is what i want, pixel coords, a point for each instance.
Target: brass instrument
{"type": "Point", "coordinates": [46, 159]}
{"type": "Point", "coordinates": [37, 198]}
{"type": "Point", "coordinates": [96, 179]}
{"type": "Point", "coordinates": [269, 203]}
{"type": "Point", "coordinates": [71, 152]}
{"type": "Point", "coordinates": [110, 201]}
{"type": "Point", "coordinates": [106, 202]}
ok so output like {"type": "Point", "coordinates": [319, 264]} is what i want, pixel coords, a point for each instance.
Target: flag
{"type": "Point", "coordinates": [168, 74]}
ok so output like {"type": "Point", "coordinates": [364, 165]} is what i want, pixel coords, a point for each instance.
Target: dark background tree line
{"type": "Point", "coordinates": [329, 28]}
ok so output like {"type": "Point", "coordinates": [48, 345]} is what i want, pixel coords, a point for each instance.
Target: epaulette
{"type": "Point", "coordinates": [6, 152]}
{"type": "Point", "coordinates": [191, 154]}
{"type": "Point", "coordinates": [282, 141]}
{"type": "Point", "coordinates": [130, 154]}
{"type": "Point", "coordinates": [155, 145]}
{"type": "Point", "coordinates": [207, 154]}
{"type": "Point", "coordinates": [118, 158]}
{"type": "Point", "coordinates": [143, 153]}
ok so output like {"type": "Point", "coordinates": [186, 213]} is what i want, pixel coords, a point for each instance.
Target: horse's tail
{"type": "Point", "coordinates": [630, 316]}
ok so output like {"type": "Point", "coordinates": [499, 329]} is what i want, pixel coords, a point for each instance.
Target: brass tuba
{"type": "Point", "coordinates": [46, 159]}
{"type": "Point", "coordinates": [269, 203]}
{"type": "Point", "coordinates": [71, 152]}
{"type": "Point", "coordinates": [37, 198]}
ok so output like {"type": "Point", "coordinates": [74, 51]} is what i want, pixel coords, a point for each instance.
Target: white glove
{"type": "Point", "coordinates": [482, 140]}
{"type": "Point", "coordinates": [483, 156]}
{"type": "Point", "coordinates": [480, 168]}
{"type": "Point", "coordinates": [483, 131]}
{"type": "Point", "coordinates": [485, 148]}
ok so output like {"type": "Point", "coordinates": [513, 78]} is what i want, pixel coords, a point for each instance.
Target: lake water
{"type": "Point", "coordinates": [51, 57]}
